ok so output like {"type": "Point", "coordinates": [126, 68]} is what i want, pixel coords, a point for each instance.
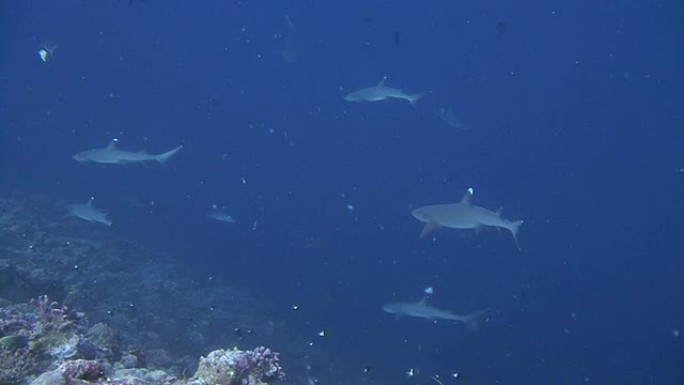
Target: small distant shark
{"type": "Point", "coordinates": [381, 92]}
{"type": "Point", "coordinates": [112, 155]}
{"type": "Point", "coordinates": [421, 309]}
{"type": "Point", "coordinates": [463, 215]}
{"type": "Point", "coordinates": [220, 216]}
{"type": "Point", "coordinates": [88, 212]}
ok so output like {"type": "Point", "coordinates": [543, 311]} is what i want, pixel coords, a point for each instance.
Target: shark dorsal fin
{"type": "Point", "coordinates": [423, 301]}
{"type": "Point", "coordinates": [468, 197]}
{"type": "Point", "coordinates": [381, 83]}
{"type": "Point", "coordinates": [112, 144]}
{"type": "Point", "coordinates": [89, 203]}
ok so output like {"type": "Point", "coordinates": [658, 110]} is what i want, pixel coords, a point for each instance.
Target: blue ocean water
{"type": "Point", "coordinates": [573, 118]}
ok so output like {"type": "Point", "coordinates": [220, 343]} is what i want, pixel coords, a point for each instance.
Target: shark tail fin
{"type": "Point", "coordinates": [414, 98]}
{"type": "Point", "coordinates": [162, 158]}
{"type": "Point", "coordinates": [514, 227]}
{"type": "Point", "coordinates": [472, 320]}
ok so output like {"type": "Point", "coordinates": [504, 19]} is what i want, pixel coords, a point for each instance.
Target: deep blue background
{"type": "Point", "coordinates": [575, 113]}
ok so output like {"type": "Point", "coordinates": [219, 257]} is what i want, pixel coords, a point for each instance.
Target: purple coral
{"type": "Point", "coordinates": [267, 363]}
{"type": "Point", "coordinates": [260, 361]}
{"type": "Point", "coordinates": [235, 367]}
{"type": "Point", "coordinates": [52, 315]}
{"type": "Point", "coordinates": [88, 370]}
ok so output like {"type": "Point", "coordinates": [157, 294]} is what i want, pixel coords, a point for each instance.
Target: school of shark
{"type": "Point", "coordinates": [458, 215]}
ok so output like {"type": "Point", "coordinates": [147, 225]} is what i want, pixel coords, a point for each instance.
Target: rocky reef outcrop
{"type": "Point", "coordinates": [45, 343]}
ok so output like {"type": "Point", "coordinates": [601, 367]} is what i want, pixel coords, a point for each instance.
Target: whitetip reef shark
{"type": "Point", "coordinates": [112, 155]}
{"type": "Point", "coordinates": [463, 215]}
{"type": "Point", "coordinates": [88, 212]}
{"type": "Point", "coordinates": [421, 309]}
{"type": "Point", "coordinates": [380, 92]}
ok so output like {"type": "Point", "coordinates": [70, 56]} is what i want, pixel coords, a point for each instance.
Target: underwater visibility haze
{"type": "Point", "coordinates": [383, 192]}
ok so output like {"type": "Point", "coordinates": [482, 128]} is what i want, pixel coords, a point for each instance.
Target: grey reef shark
{"type": "Point", "coordinates": [113, 155]}
{"type": "Point", "coordinates": [463, 215]}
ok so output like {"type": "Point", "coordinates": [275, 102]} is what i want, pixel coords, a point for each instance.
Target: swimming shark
{"type": "Point", "coordinates": [112, 155]}
{"type": "Point", "coordinates": [463, 215]}
{"type": "Point", "coordinates": [221, 216]}
{"type": "Point", "coordinates": [381, 92]}
{"type": "Point", "coordinates": [421, 309]}
{"type": "Point", "coordinates": [88, 212]}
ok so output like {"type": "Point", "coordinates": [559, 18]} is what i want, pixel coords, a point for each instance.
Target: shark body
{"type": "Point", "coordinates": [88, 212]}
{"type": "Point", "coordinates": [421, 309]}
{"type": "Point", "coordinates": [112, 155]}
{"type": "Point", "coordinates": [463, 215]}
{"type": "Point", "coordinates": [380, 92]}
{"type": "Point", "coordinates": [221, 216]}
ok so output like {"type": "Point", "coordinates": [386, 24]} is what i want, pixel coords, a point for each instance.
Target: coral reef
{"type": "Point", "coordinates": [44, 343]}
{"type": "Point", "coordinates": [234, 367]}
{"type": "Point", "coordinates": [164, 315]}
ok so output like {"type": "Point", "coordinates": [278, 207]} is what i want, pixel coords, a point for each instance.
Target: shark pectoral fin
{"type": "Point", "coordinates": [479, 229]}
{"type": "Point", "coordinates": [468, 197]}
{"type": "Point", "coordinates": [428, 228]}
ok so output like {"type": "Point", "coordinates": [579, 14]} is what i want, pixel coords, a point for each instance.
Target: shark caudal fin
{"type": "Point", "coordinates": [472, 320]}
{"type": "Point", "coordinates": [513, 228]}
{"type": "Point", "coordinates": [413, 99]}
{"type": "Point", "coordinates": [162, 158]}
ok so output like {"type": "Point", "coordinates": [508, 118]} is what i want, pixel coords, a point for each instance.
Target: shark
{"type": "Point", "coordinates": [221, 216]}
{"type": "Point", "coordinates": [421, 309]}
{"type": "Point", "coordinates": [463, 215]}
{"type": "Point", "coordinates": [113, 155]}
{"type": "Point", "coordinates": [380, 92]}
{"type": "Point", "coordinates": [88, 212]}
